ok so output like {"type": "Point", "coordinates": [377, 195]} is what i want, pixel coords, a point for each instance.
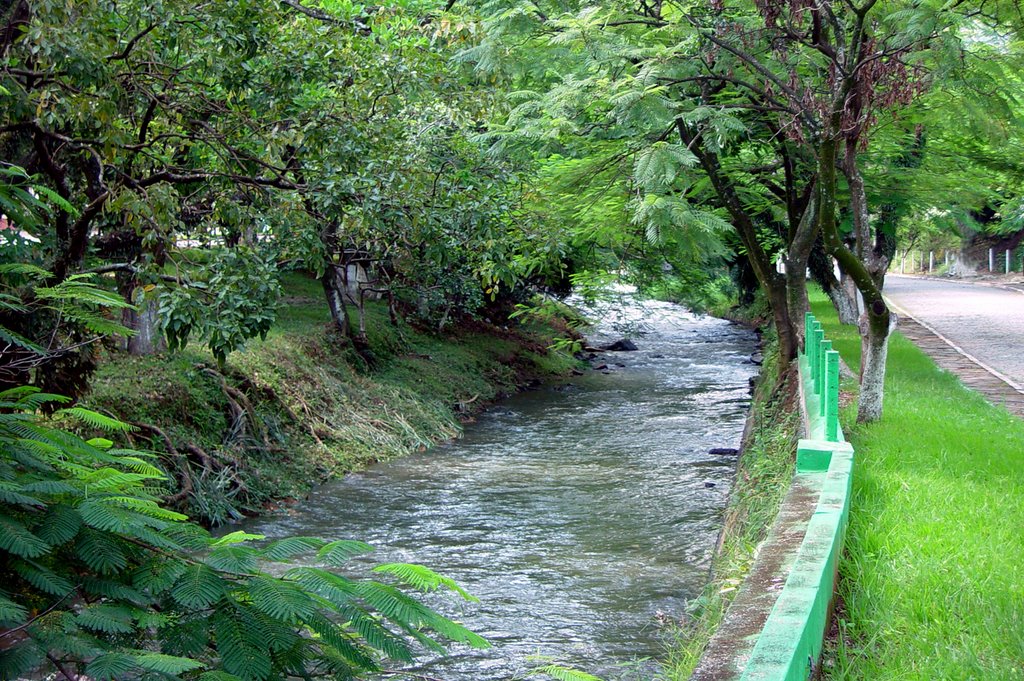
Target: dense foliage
{"type": "Point", "coordinates": [100, 580]}
{"type": "Point", "coordinates": [187, 152]}
{"type": "Point", "coordinates": [782, 128]}
{"type": "Point", "coordinates": [164, 162]}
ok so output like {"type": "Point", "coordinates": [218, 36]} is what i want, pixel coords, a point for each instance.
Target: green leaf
{"type": "Point", "coordinates": [237, 537]}
{"type": "Point", "coordinates": [96, 420]}
{"type": "Point", "coordinates": [11, 614]}
{"type": "Point", "coordinates": [15, 538]}
{"type": "Point", "coordinates": [170, 665]}
{"type": "Point", "coordinates": [109, 619]}
{"type": "Point", "coordinates": [43, 579]}
{"type": "Point", "coordinates": [286, 548]}
{"type": "Point", "coordinates": [280, 599]}
{"type": "Point", "coordinates": [563, 673]}
{"type": "Point", "coordinates": [334, 635]}
{"type": "Point", "coordinates": [242, 645]}
{"type": "Point", "coordinates": [236, 559]}
{"type": "Point", "coordinates": [198, 587]}
{"type": "Point", "coordinates": [423, 578]}
{"type": "Point", "coordinates": [101, 551]}
{"type": "Point", "coordinates": [110, 666]}
{"type": "Point", "coordinates": [19, 660]}
{"type": "Point", "coordinates": [339, 552]}
{"type": "Point", "coordinates": [60, 525]}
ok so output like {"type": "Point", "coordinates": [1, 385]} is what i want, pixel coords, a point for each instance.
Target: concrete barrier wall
{"type": "Point", "coordinates": [787, 646]}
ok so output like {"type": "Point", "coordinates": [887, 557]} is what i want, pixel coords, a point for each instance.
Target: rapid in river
{"type": "Point", "coordinates": [582, 515]}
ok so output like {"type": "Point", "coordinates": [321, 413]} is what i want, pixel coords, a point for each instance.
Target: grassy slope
{"type": "Point", "coordinates": [933, 576]}
{"type": "Point", "coordinates": [321, 409]}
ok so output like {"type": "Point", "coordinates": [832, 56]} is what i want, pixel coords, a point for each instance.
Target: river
{"type": "Point", "coordinates": [583, 515]}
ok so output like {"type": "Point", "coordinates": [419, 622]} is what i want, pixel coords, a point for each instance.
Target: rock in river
{"type": "Point", "coordinates": [623, 345]}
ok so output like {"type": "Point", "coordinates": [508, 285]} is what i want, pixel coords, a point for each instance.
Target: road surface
{"type": "Point", "coordinates": [985, 323]}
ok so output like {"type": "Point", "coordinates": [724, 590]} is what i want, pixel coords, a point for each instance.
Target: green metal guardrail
{"type": "Point", "coordinates": [789, 644]}
{"type": "Point", "coordinates": [822, 390]}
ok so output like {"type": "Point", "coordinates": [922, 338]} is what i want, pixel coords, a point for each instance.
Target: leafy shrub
{"type": "Point", "coordinates": [99, 579]}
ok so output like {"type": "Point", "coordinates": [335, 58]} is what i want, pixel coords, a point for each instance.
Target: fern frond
{"type": "Point", "coordinates": [110, 619]}
{"type": "Point", "coordinates": [283, 549]}
{"type": "Point", "coordinates": [235, 559]}
{"type": "Point", "coordinates": [61, 523]}
{"type": "Point", "coordinates": [338, 553]}
{"type": "Point", "coordinates": [101, 551]}
{"type": "Point", "coordinates": [110, 666]}
{"type": "Point", "coordinates": [280, 599]}
{"type": "Point", "coordinates": [560, 673]}
{"type": "Point", "coordinates": [168, 665]}
{"type": "Point", "coordinates": [15, 538]}
{"type": "Point", "coordinates": [198, 587]}
{"type": "Point", "coordinates": [423, 579]}
{"type": "Point", "coordinates": [11, 614]}
{"type": "Point", "coordinates": [42, 578]}
{"type": "Point", "coordinates": [336, 637]}
{"type": "Point", "coordinates": [242, 645]}
{"type": "Point", "coordinates": [236, 537]}
{"type": "Point", "coordinates": [96, 420]}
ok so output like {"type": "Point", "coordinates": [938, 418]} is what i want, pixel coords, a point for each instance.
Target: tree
{"type": "Point", "coordinates": [772, 104]}
{"type": "Point", "coordinates": [192, 150]}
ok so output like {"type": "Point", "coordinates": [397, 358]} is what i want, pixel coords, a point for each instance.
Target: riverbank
{"type": "Point", "coordinates": [763, 473]}
{"type": "Point", "coordinates": [930, 586]}
{"type": "Point", "coordinates": [301, 407]}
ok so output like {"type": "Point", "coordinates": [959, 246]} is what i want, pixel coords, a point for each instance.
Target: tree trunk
{"type": "Point", "coordinates": [785, 328]}
{"type": "Point", "coordinates": [334, 290]}
{"type": "Point", "coordinates": [874, 343]}
{"type": "Point", "coordinates": [844, 302]}
{"type": "Point", "coordinates": [875, 326]}
{"type": "Point", "coordinates": [774, 284]}
{"type": "Point", "coordinates": [841, 292]}
{"type": "Point", "coordinates": [145, 322]}
{"type": "Point", "coordinates": [796, 259]}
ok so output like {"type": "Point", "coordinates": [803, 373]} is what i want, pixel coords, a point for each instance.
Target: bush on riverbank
{"type": "Point", "coordinates": [301, 406]}
{"type": "Point", "coordinates": [762, 479]}
{"type": "Point", "coordinates": [930, 585]}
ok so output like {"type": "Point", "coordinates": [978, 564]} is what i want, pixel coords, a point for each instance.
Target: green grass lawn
{"type": "Point", "coordinates": [932, 581]}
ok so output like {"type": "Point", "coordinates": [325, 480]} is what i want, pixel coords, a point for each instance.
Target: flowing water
{"type": "Point", "coordinates": [583, 515]}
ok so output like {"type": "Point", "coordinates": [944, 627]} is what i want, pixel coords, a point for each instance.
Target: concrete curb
{"type": "Point", "coordinates": [787, 646]}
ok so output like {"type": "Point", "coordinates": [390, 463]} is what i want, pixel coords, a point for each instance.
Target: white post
{"type": "Point", "coordinates": [1007, 260]}
{"type": "Point", "coordinates": [991, 260]}
{"type": "Point", "coordinates": [903, 262]}
{"type": "Point", "coordinates": [947, 259]}
{"type": "Point", "coordinates": [931, 261]}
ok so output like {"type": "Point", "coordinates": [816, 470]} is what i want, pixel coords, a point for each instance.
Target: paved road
{"type": "Point", "coordinates": [984, 321]}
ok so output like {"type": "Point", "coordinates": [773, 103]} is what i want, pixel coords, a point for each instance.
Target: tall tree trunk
{"type": "Point", "coordinates": [842, 296]}
{"type": "Point", "coordinates": [797, 256]}
{"type": "Point", "coordinates": [774, 283]}
{"type": "Point", "coordinates": [145, 322]}
{"type": "Point", "coordinates": [850, 297]}
{"type": "Point", "coordinates": [334, 291]}
{"type": "Point", "coordinates": [875, 331]}
{"type": "Point", "coordinates": [876, 320]}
